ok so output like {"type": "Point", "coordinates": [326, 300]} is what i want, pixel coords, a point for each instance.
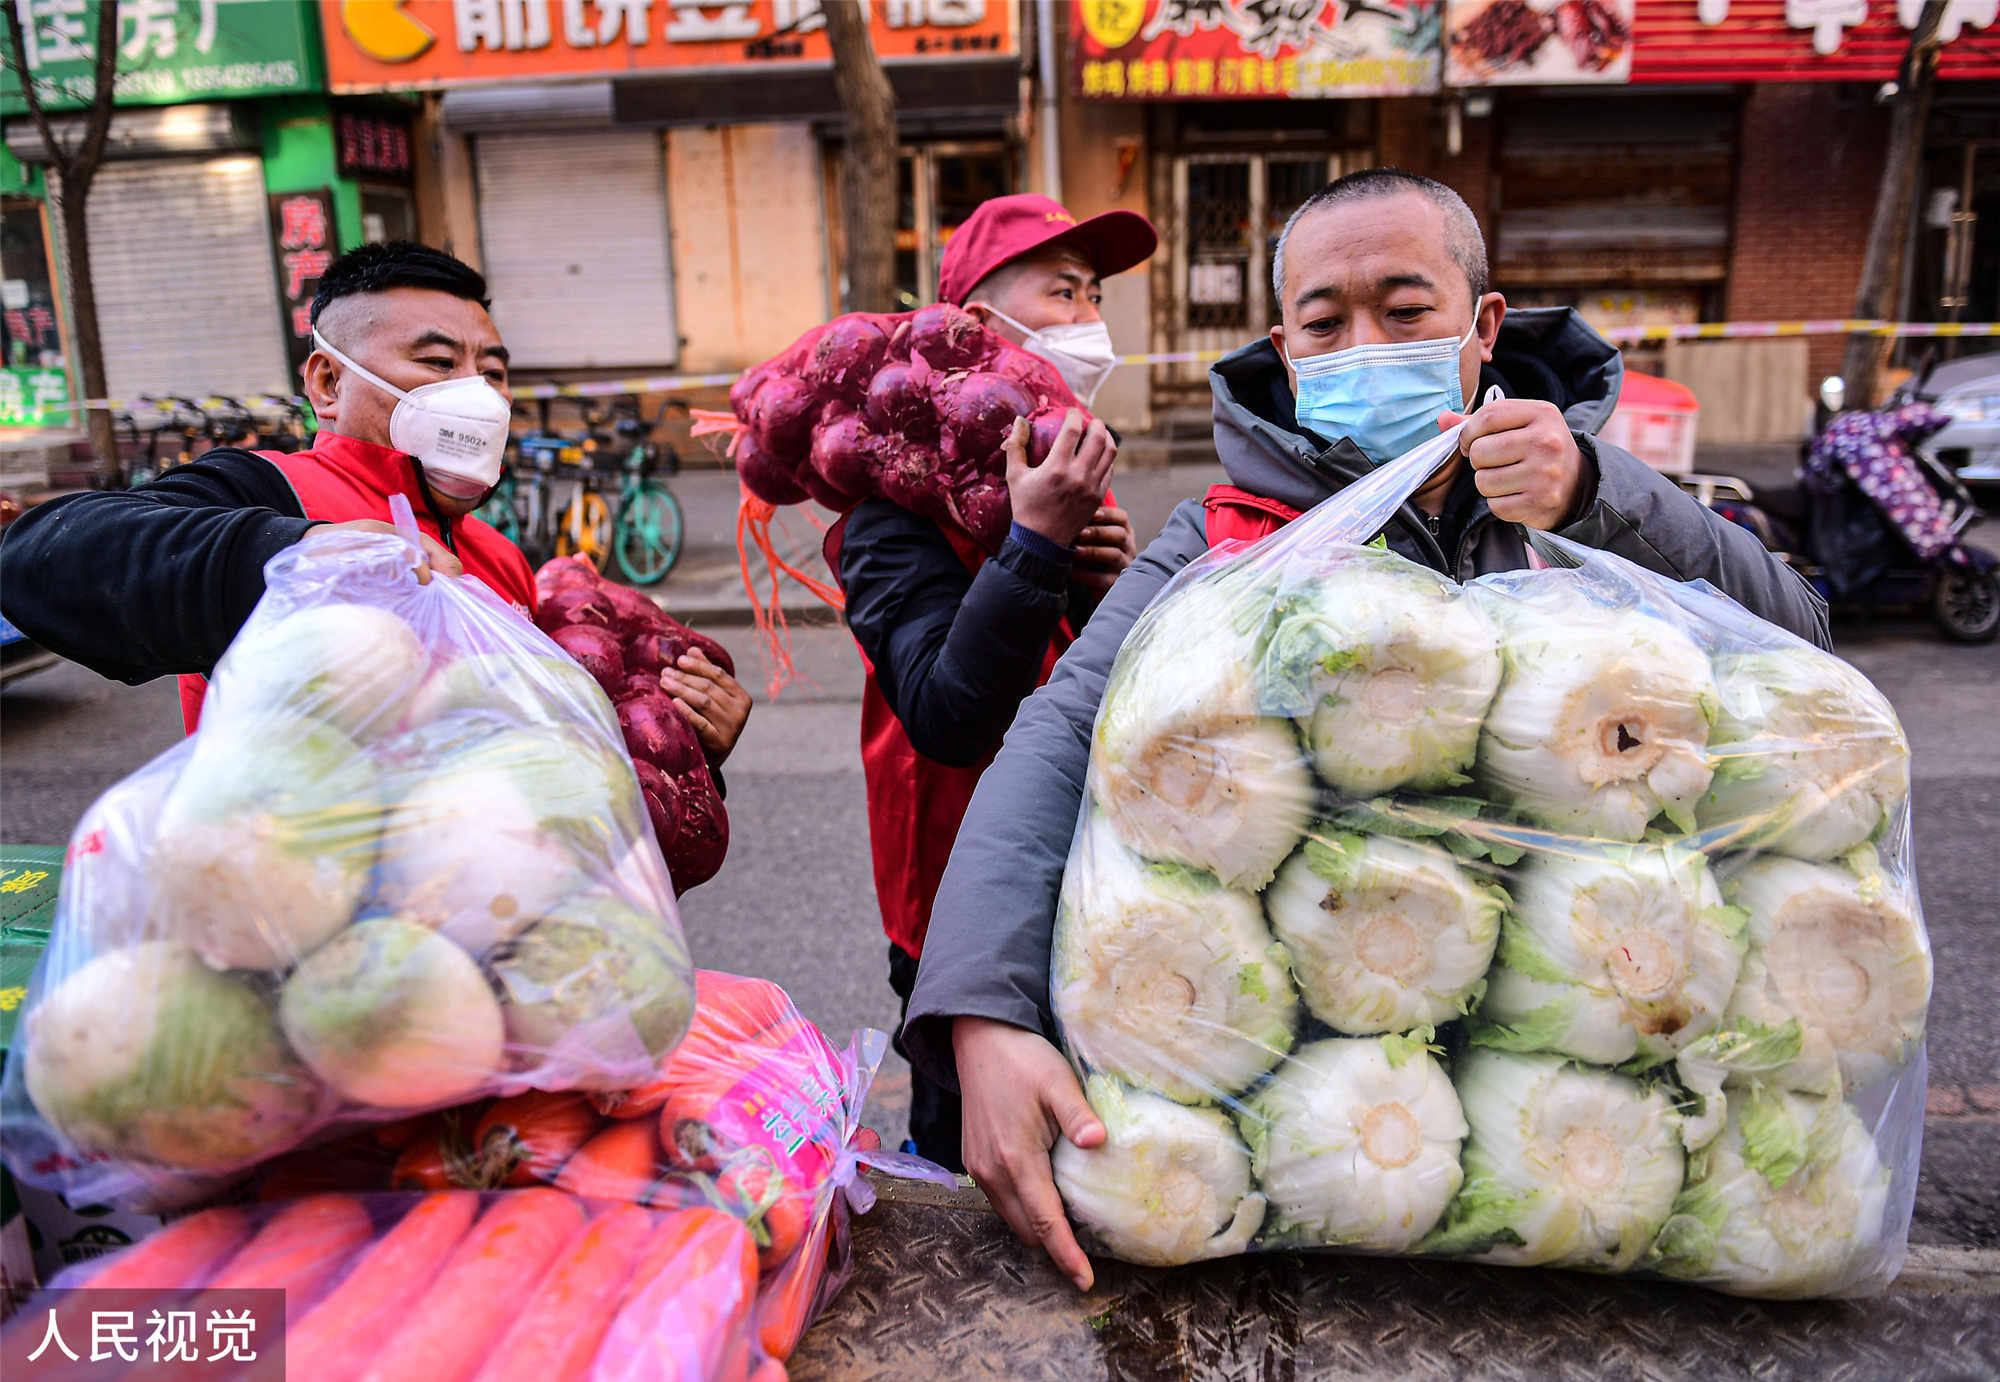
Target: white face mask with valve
{"type": "Point", "coordinates": [456, 427]}
{"type": "Point", "coordinates": [1080, 351]}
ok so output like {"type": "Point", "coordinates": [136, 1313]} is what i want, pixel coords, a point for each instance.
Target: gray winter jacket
{"type": "Point", "coordinates": [987, 951]}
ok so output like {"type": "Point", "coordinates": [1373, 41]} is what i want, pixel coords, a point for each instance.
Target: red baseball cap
{"type": "Point", "coordinates": [1005, 228]}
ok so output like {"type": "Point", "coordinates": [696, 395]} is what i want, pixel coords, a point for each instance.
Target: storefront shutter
{"type": "Point", "coordinates": [573, 234]}
{"type": "Point", "coordinates": [1599, 189]}
{"type": "Point", "coordinates": [180, 255]}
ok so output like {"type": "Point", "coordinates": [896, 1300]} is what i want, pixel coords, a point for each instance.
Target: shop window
{"type": "Point", "coordinates": [30, 337]}
{"type": "Point", "coordinates": [387, 213]}
{"type": "Point", "coordinates": [937, 187]}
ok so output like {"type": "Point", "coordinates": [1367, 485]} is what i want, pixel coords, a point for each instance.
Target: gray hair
{"type": "Point", "coordinates": [1463, 241]}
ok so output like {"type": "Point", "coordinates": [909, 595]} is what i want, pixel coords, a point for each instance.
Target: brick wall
{"type": "Point", "coordinates": [1808, 162]}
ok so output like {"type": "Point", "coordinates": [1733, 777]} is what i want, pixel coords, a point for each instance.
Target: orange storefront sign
{"type": "Point", "coordinates": [373, 44]}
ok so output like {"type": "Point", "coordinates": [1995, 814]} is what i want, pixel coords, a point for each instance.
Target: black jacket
{"type": "Point", "coordinates": [142, 583]}
{"type": "Point", "coordinates": [954, 653]}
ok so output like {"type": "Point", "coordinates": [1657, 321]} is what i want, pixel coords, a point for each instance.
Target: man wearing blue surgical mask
{"type": "Point", "coordinates": [1388, 332]}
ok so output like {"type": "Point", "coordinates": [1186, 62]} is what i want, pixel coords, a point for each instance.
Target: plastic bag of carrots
{"type": "Point", "coordinates": [755, 1114]}
{"type": "Point", "coordinates": [532, 1285]}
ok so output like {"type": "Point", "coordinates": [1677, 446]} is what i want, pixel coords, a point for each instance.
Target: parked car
{"type": "Point", "coordinates": [1968, 390]}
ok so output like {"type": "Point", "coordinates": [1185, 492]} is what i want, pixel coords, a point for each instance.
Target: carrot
{"type": "Point", "coordinates": [556, 1335]}
{"type": "Point", "coordinates": [619, 1163]}
{"type": "Point", "coordinates": [489, 1277]}
{"type": "Point", "coordinates": [731, 1012]}
{"type": "Point", "coordinates": [181, 1255]}
{"type": "Point", "coordinates": [340, 1336]}
{"type": "Point", "coordinates": [685, 1317]}
{"type": "Point", "coordinates": [299, 1250]}
{"type": "Point", "coordinates": [785, 1305]}
{"type": "Point", "coordinates": [774, 1208]}
{"type": "Point", "coordinates": [437, 1159]}
{"type": "Point", "coordinates": [526, 1139]}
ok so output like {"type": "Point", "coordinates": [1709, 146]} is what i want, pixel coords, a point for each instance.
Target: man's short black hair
{"type": "Point", "coordinates": [397, 264]}
{"type": "Point", "coordinates": [1463, 241]}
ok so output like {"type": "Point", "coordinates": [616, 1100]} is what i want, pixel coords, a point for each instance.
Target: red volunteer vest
{"type": "Point", "coordinates": [1236, 515]}
{"type": "Point", "coordinates": [341, 479]}
{"type": "Point", "coordinates": [915, 804]}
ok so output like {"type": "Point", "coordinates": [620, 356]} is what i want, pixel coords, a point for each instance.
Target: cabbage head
{"type": "Point", "coordinates": [1384, 935]}
{"type": "Point", "coordinates": [1169, 1184]}
{"type": "Point", "coordinates": [1165, 978]}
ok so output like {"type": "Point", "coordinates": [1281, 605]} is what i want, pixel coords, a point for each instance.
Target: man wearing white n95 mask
{"type": "Point", "coordinates": [408, 382]}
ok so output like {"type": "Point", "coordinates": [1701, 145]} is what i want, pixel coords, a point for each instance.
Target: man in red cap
{"type": "Point", "coordinates": [953, 640]}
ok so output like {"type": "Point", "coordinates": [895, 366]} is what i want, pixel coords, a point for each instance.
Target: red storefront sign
{"type": "Point", "coordinates": [303, 245]}
{"type": "Point", "coordinates": [1215, 50]}
{"type": "Point", "coordinates": [1803, 40]}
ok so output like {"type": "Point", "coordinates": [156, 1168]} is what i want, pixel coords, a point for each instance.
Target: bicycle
{"type": "Point", "coordinates": [141, 469]}
{"type": "Point", "coordinates": [647, 524]}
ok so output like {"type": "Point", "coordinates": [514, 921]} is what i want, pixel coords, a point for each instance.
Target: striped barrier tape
{"type": "Point", "coordinates": [1618, 335]}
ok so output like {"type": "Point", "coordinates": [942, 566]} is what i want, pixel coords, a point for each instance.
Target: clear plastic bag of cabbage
{"type": "Point", "coordinates": [1565, 917]}
{"type": "Point", "coordinates": [402, 863]}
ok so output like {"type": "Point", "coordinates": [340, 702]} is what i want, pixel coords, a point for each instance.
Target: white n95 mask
{"type": "Point", "coordinates": [1080, 351]}
{"type": "Point", "coordinates": [456, 427]}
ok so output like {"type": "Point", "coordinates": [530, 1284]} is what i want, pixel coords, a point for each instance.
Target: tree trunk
{"type": "Point", "coordinates": [868, 161]}
{"type": "Point", "coordinates": [1881, 270]}
{"type": "Point", "coordinates": [83, 321]}
{"type": "Point", "coordinates": [74, 169]}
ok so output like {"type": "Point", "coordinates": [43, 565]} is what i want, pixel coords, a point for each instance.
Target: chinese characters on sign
{"type": "Point", "coordinates": [372, 146]}
{"type": "Point", "coordinates": [32, 397]}
{"type": "Point", "coordinates": [165, 1333]}
{"type": "Point", "coordinates": [302, 247]}
{"type": "Point", "coordinates": [438, 42]}
{"type": "Point", "coordinates": [168, 51]}
{"type": "Point", "coordinates": [1805, 40]}
{"type": "Point", "coordinates": [1142, 50]}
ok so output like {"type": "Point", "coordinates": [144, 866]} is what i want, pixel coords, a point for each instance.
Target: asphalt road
{"type": "Point", "coordinates": [795, 902]}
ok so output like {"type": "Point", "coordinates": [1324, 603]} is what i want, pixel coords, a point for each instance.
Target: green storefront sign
{"type": "Point", "coordinates": [169, 51]}
{"type": "Point", "coordinates": [34, 398]}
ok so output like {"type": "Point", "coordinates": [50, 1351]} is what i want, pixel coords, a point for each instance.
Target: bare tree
{"type": "Point", "coordinates": [868, 160]}
{"type": "Point", "coordinates": [74, 165]}
{"type": "Point", "coordinates": [1881, 270]}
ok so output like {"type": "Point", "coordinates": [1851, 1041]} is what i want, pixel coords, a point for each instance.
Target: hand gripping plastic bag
{"type": "Point", "coordinates": [403, 862]}
{"type": "Point", "coordinates": [1564, 917]}
{"type": "Point", "coordinates": [455, 1286]}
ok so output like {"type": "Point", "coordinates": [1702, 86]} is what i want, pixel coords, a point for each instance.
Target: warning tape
{"type": "Point", "coordinates": [1618, 335]}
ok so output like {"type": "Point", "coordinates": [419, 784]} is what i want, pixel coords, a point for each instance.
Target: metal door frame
{"type": "Point", "coordinates": [1187, 378]}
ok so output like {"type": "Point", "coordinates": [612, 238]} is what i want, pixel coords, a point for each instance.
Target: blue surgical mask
{"type": "Point", "coordinates": [1383, 398]}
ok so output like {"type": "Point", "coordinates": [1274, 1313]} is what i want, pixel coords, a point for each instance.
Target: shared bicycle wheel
{"type": "Point", "coordinates": [585, 530]}
{"type": "Point", "coordinates": [647, 540]}
{"type": "Point", "coordinates": [498, 513]}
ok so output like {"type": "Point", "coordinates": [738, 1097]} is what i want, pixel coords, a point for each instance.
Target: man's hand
{"type": "Point", "coordinates": [714, 702]}
{"type": "Point", "coordinates": [1020, 1095]}
{"type": "Point", "coordinates": [432, 555]}
{"type": "Point", "coordinates": [1062, 495]}
{"type": "Point", "coordinates": [1104, 549]}
{"type": "Point", "coordinates": [1524, 460]}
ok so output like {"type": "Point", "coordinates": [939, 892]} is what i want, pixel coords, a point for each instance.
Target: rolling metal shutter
{"type": "Point", "coordinates": [180, 255]}
{"type": "Point", "coordinates": [573, 233]}
{"type": "Point", "coordinates": [1625, 189]}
